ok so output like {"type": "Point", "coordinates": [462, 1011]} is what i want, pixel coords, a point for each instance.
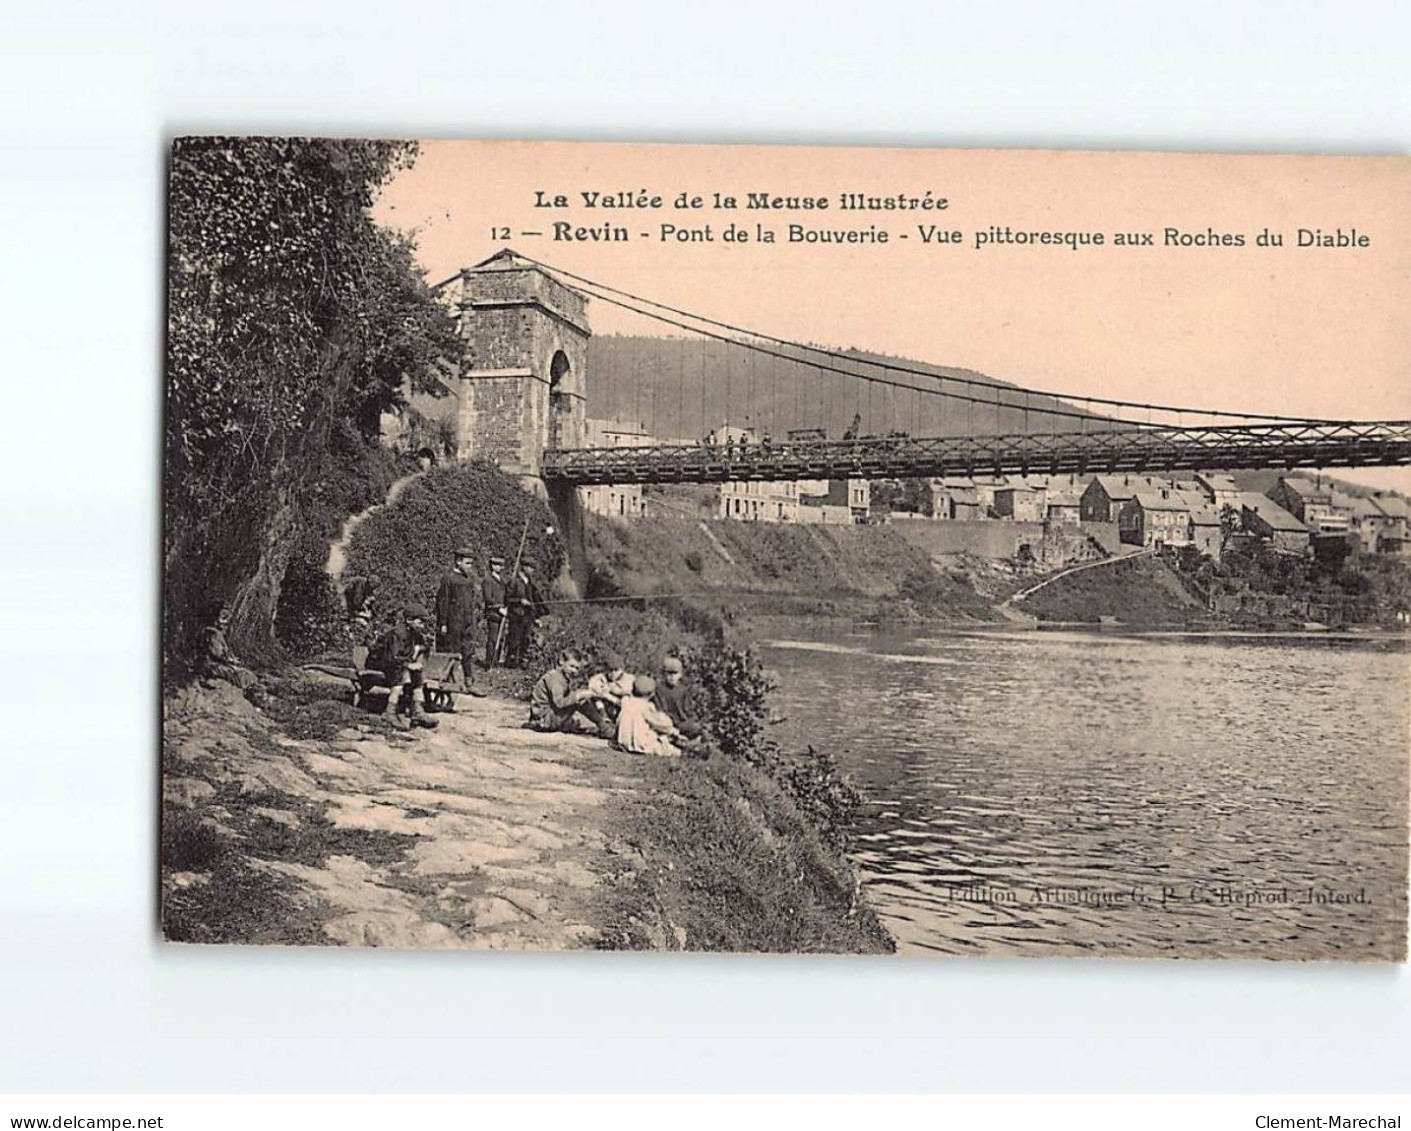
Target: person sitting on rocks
{"type": "Point", "coordinates": [644, 728]}
{"type": "Point", "coordinates": [218, 659]}
{"type": "Point", "coordinates": [556, 705]}
{"type": "Point", "coordinates": [611, 685]}
{"type": "Point", "coordinates": [400, 655]}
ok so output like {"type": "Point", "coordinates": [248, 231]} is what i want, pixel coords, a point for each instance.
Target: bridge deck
{"type": "Point", "coordinates": [1296, 445]}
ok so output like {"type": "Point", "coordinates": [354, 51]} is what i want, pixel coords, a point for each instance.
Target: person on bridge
{"type": "Point", "coordinates": [400, 655]}
{"type": "Point", "coordinates": [556, 705]}
{"type": "Point", "coordinates": [456, 603]}
{"type": "Point", "coordinates": [523, 599]}
{"type": "Point", "coordinates": [492, 595]}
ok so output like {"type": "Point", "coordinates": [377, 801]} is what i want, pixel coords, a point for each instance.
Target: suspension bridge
{"type": "Point", "coordinates": [778, 398]}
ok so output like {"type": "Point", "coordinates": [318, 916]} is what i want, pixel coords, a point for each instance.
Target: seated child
{"type": "Point", "coordinates": [643, 728]}
{"type": "Point", "coordinates": [612, 686]}
{"type": "Point", "coordinates": [555, 705]}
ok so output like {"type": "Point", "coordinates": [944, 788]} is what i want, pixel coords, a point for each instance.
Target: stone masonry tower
{"type": "Point", "coordinates": [522, 379]}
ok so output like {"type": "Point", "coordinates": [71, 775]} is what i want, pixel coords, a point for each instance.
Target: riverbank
{"type": "Point", "coordinates": [312, 823]}
{"type": "Point", "coordinates": [738, 571]}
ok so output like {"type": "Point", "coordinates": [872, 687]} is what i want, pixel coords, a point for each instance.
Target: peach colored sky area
{"type": "Point", "coordinates": [1322, 332]}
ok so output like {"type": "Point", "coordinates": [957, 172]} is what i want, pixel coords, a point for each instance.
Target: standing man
{"type": "Point", "coordinates": [522, 596]}
{"type": "Point", "coordinates": [360, 594]}
{"type": "Point", "coordinates": [455, 611]}
{"type": "Point", "coordinates": [494, 597]}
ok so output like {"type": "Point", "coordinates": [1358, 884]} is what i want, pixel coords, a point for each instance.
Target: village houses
{"type": "Point", "coordinates": [1160, 517]}
{"type": "Point", "coordinates": [1147, 510]}
{"type": "Point", "coordinates": [1105, 495]}
{"type": "Point", "coordinates": [1316, 505]}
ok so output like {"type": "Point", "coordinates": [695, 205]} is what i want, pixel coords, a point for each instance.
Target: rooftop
{"type": "Point", "coordinates": [1305, 488]}
{"type": "Point", "coordinates": [1270, 512]}
{"type": "Point", "coordinates": [1393, 506]}
{"type": "Point", "coordinates": [1125, 486]}
{"type": "Point", "coordinates": [1156, 501]}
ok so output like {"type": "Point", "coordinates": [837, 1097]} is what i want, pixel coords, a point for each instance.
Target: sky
{"type": "Point", "coordinates": [1314, 330]}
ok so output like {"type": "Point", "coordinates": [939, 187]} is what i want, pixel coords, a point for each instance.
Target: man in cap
{"type": "Point", "coordinates": [522, 597]}
{"type": "Point", "coordinates": [492, 595]}
{"type": "Point", "coordinates": [400, 654]}
{"type": "Point", "coordinates": [456, 603]}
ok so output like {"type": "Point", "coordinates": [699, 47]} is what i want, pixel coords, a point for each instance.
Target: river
{"type": "Point", "coordinates": [1040, 793]}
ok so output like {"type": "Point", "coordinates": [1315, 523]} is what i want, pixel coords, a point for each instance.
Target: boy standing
{"type": "Point", "coordinates": [400, 654]}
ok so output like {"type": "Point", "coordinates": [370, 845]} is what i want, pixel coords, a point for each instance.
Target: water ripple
{"type": "Point", "coordinates": [1063, 793]}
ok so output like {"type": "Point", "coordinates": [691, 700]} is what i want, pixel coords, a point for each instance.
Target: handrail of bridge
{"type": "Point", "coordinates": [1306, 444]}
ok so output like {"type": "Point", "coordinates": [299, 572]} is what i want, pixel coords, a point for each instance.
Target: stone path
{"type": "Point", "coordinates": [508, 822]}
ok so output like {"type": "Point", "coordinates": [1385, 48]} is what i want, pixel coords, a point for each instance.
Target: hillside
{"type": "Point", "coordinates": [1142, 592]}
{"type": "Point", "coordinates": [657, 381]}
{"type": "Point", "coordinates": [1262, 482]}
{"type": "Point", "coordinates": [758, 569]}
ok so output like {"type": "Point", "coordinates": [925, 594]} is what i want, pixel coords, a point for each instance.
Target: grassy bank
{"type": "Point", "coordinates": [722, 858]}
{"type": "Point", "coordinates": [1141, 592]}
{"type": "Point", "coordinates": [737, 570]}
{"type": "Point", "coordinates": [1255, 588]}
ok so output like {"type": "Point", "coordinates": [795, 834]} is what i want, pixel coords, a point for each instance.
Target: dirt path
{"type": "Point", "coordinates": [507, 822]}
{"type": "Point", "coordinates": [338, 551]}
{"type": "Point", "coordinates": [1007, 606]}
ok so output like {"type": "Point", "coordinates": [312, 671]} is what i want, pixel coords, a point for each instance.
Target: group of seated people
{"type": "Point", "coordinates": [636, 713]}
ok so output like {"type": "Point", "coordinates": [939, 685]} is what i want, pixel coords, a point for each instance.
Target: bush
{"type": "Point", "coordinates": [410, 542]}
{"type": "Point", "coordinates": [189, 844]}
{"type": "Point", "coordinates": [310, 618]}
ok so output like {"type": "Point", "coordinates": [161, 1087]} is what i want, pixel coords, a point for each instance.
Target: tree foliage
{"type": "Point", "coordinates": [290, 314]}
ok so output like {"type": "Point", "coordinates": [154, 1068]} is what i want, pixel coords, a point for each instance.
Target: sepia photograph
{"type": "Point", "coordinates": [788, 549]}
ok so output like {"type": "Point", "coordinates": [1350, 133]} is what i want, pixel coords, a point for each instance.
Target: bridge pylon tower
{"type": "Point", "coordinates": [523, 373]}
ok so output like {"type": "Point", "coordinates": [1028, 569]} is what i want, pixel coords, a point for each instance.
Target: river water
{"type": "Point", "coordinates": [1043, 793]}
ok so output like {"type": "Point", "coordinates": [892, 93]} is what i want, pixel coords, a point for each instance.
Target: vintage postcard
{"type": "Point", "coordinates": [787, 549]}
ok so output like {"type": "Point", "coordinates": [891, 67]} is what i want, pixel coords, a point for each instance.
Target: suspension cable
{"type": "Point", "coordinates": [899, 368]}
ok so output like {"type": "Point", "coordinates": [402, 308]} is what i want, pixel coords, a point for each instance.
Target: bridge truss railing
{"type": "Point", "coordinates": [1307, 444]}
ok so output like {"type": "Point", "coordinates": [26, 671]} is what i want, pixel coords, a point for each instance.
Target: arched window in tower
{"type": "Point", "coordinates": [560, 398]}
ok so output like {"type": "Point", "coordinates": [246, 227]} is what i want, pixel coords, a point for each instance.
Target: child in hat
{"type": "Point", "coordinates": [642, 727]}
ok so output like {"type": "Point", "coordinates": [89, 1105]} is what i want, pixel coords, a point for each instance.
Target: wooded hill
{"type": "Point", "coordinates": [657, 382]}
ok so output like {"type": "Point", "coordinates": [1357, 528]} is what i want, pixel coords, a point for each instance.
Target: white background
{"type": "Point", "coordinates": [89, 998]}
